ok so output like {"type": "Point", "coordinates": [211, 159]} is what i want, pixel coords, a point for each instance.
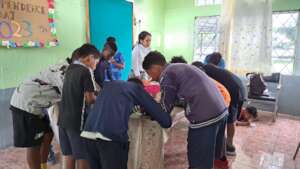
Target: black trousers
{"type": "Point", "coordinates": [107, 154]}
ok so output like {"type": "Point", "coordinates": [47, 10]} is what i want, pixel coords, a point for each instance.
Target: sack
{"type": "Point", "coordinates": [257, 84]}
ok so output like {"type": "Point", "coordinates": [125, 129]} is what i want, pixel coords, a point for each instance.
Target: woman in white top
{"type": "Point", "coordinates": [139, 52]}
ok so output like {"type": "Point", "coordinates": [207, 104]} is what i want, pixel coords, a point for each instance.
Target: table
{"type": "Point", "coordinates": [147, 139]}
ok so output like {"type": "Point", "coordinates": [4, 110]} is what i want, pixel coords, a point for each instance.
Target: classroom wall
{"type": "Point", "coordinates": [179, 23]}
{"type": "Point", "coordinates": [151, 15]}
{"type": "Point", "coordinates": [18, 64]}
{"type": "Point", "coordinates": [179, 26]}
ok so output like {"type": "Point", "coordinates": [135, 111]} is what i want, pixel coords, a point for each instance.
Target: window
{"type": "Point", "coordinates": [208, 2]}
{"type": "Point", "coordinates": [205, 37]}
{"type": "Point", "coordinates": [284, 39]}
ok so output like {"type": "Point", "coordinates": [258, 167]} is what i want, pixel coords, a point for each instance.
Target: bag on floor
{"type": "Point", "coordinates": [257, 84]}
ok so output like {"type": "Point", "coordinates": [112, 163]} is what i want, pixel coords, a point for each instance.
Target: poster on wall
{"type": "Point", "coordinates": [27, 23]}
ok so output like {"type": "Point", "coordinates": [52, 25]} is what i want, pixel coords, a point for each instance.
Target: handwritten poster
{"type": "Point", "coordinates": [27, 23]}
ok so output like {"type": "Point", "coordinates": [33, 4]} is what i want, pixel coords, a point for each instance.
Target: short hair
{"type": "Point", "coordinates": [154, 58]}
{"type": "Point", "coordinates": [86, 50]}
{"type": "Point", "coordinates": [199, 65]}
{"type": "Point", "coordinates": [111, 39]}
{"type": "Point", "coordinates": [252, 110]}
{"type": "Point", "coordinates": [143, 35]}
{"type": "Point", "coordinates": [214, 58]}
{"type": "Point", "coordinates": [136, 81]}
{"type": "Point", "coordinates": [178, 59]}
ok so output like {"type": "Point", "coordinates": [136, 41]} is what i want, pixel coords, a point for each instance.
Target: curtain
{"type": "Point", "coordinates": [245, 35]}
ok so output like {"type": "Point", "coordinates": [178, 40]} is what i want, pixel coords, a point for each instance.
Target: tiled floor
{"type": "Point", "coordinates": [266, 146]}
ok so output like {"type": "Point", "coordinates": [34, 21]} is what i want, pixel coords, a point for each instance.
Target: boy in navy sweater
{"type": "Point", "coordinates": [107, 124]}
{"type": "Point", "coordinates": [205, 106]}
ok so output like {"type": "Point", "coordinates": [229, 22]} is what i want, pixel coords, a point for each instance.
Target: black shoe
{"type": "Point", "coordinates": [230, 150]}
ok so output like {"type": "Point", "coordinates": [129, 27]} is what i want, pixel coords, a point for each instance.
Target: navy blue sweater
{"type": "Point", "coordinates": [110, 114]}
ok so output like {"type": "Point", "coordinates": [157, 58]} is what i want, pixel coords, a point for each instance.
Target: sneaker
{"type": "Point", "coordinates": [51, 157]}
{"type": "Point", "coordinates": [221, 164]}
{"type": "Point", "coordinates": [230, 150]}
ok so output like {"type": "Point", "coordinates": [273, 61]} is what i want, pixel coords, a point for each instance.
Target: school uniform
{"type": "Point", "coordinates": [234, 86]}
{"type": "Point", "coordinates": [139, 53]}
{"type": "Point", "coordinates": [103, 72]}
{"type": "Point", "coordinates": [205, 110]}
{"type": "Point", "coordinates": [115, 71]}
{"type": "Point", "coordinates": [30, 101]}
{"type": "Point", "coordinates": [78, 80]}
{"type": "Point", "coordinates": [107, 124]}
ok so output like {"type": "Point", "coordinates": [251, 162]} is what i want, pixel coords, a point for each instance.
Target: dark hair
{"type": "Point", "coordinates": [252, 110]}
{"type": "Point", "coordinates": [111, 39]}
{"type": "Point", "coordinates": [154, 58]}
{"type": "Point", "coordinates": [112, 45]}
{"type": "Point", "coordinates": [199, 65]}
{"type": "Point", "coordinates": [143, 35]}
{"type": "Point", "coordinates": [74, 56]}
{"type": "Point", "coordinates": [86, 50]}
{"type": "Point", "coordinates": [214, 58]}
{"type": "Point", "coordinates": [136, 81]}
{"type": "Point", "coordinates": [178, 59]}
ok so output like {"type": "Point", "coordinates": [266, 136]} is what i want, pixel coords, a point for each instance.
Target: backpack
{"type": "Point", "coordinates": [257, 84]}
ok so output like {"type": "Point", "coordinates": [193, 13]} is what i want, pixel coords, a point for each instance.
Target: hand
{"type": "Point", "coordinates": [113, 61]}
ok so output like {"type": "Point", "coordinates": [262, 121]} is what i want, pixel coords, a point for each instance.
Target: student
{"type": "Point", "coordinates": [29, 104]}
{"type": "Point", "coordinates": [117, 62]}
{"type": "Point", "coordinates": [103, 70]}
{"type": "Point", "coordinates": [222, 89]}
{"type": "Point", "coordinates": [78, 92]}
{"type": "Point", "coordinates": [205, 110]}
{"type": "Point", "coordinates": [247, 116]}
{"type": "Point", "coordinates": [235, 87]}
{"type": "Point", "coordinates": [138, 54]}
{"type": "Point", "coordinates": [178, 59]}
{"type": "Point", "coordinates": [215, 59]}
{"type": "Point", "coordinates": [107, 124]}
{"type": "Point", "coordinates": [51, 156]}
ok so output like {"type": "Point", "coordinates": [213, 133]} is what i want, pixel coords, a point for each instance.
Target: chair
{"type": "Point", "coordinates": [270, 98]}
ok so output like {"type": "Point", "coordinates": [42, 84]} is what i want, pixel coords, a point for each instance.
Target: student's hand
{"type": "Point", "coordinates": [157, 97]}
{"type": "Point", "coordinates": [113, 61]}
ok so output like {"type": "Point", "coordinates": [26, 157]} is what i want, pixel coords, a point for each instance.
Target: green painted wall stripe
{"type": "Point", "coordinates": [18, 64]}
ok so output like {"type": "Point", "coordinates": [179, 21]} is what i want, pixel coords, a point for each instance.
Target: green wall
{"type": "Point", "coordinates": [284, 5]}
{"type": "Point", "coordinates": [179, 26]}
{"type": "Point", "coordinates": [151, 13]}
{"type": "Point", "coordinates": [179, 23]}
{"type": "Point", "coordinates": [18, 64]}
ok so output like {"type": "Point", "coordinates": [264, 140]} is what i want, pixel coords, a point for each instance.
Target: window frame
{"type": "Point", "coordinates": [195, 57]}
{"type": "Point", "coordinates": [296, 43]}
